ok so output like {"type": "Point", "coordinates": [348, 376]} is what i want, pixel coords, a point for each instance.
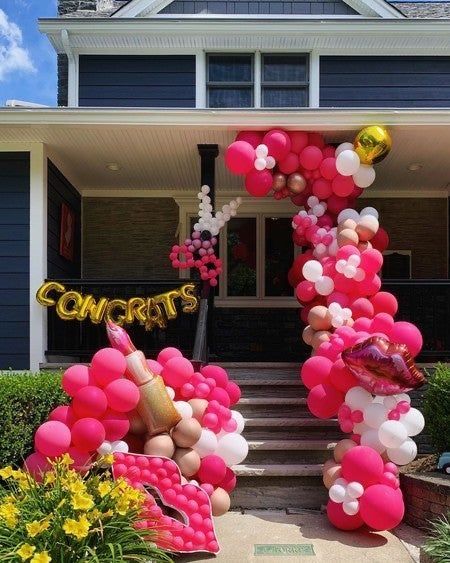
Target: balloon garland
{"type": "Point", "coordinates": [362, 364]}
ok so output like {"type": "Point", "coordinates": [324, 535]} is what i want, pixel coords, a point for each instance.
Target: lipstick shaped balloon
{"type": "Point", "coordinates": [155, 406]}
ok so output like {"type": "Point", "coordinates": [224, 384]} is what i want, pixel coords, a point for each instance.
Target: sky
{"type": "Point", "coordinates": [27, 60]}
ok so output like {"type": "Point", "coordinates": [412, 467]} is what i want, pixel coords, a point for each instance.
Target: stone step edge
{"type": "Point", "coordinates": [268, 382]}
{"type": "Point", "coordinates": [278, 470]}
{"type": "Point", "coordinates": [291, 445]}
{"type": "Point", "coordinates": [256, 401]}
{"type": "Point", "coordinates": [280, 422]}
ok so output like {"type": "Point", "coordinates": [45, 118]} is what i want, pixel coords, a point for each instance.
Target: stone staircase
{"type": "Point", "coordinates": [287, 445]}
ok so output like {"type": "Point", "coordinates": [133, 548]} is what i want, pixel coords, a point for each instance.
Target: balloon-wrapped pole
{"type": "Point", "coordinates": [155, 406]}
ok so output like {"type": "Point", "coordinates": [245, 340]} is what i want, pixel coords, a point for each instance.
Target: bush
{"type": "Point", "coordinates": [25, 402]}
{"type": "Point", "coordinates": [436, 408]}
{"type": "Point", "coordinates": [437, 545]}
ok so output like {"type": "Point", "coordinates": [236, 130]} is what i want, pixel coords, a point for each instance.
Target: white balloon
{"type": "Point", "coordinates": [170, 391]}
{"type": "Point", "coordinates": [379, 399]}
{"type": "Point", "coordinates": [392, 434]}
{"type": "Point", "coordinates": [349, 271]}
{"type": "Point", "coordinates": [370, 438]}
{"type": "Point", "coordinates": [403, 454]}
{"type": "Point", "coordinates": [369, 211]}
{"type": "Point", "coordinates": [232, 448]}
{"type": "Point", "coordinates": [343, 147]}
{"type": "Point", "coordinates": [348, 214]}
{"type": "Point", "coordinates": [206, 189]}
{"type": "Point", "coordinates": [105, 448]}
{"type": "Point", "coordinates": [358, 398]}
{"type": "Point", "coordinates": [184, 409]}
{"type": "Point", "coordinates": [324, 285]}
{"type": "Point", "coordinates": [347, 162]}
{"type": "Point", "coordinates": [403, 397]}
{"type": "Point", "coordinates": [360, 275]}
{"type": "Point", "coordinates": [364, 176]}
{"type": "Point", "coordinates": [312, 270]}
{"type": "Point", "coordinates": [237, 416]}
{"type": "Point", "coordinates": [262, 151]}
{"type": "Point", "coordinates": [375, 414]}
{"type": "Point", "coordinates": [119, 446]}
{"type": "Point", "coordinates": [413, 421]}
{"type": "Point", "coordinates": [390, 402]}
{"type": "Point", "coordinates": [351, 507]}
{"type": "Point", "coordinates": [355, 490]}
{"type": "Point", "coordinates": [337, 493]}
{"type": "Point", "coordinates": [341, 481]}
{"type": "Point", "coordinates": [207, 443]}
{"type": "Point", "coordinates": [270, 162]}
{"type": "Point", "coordinates": [260, 163]}
{"type": "Point", "coordinates": [360, 428]}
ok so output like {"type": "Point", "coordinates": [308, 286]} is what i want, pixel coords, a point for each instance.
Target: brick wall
{"type": "Point", "coordinates": [129, 238]}
{"type": "Point", "coordinates": [427, 496]}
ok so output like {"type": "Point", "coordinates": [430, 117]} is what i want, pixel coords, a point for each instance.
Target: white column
{"type": "Point", "coordinates": [200, 80]}
{"type": "Point", "coordinates": [38, 252]}
{"type": "Point", "coordinates": [314, 80]}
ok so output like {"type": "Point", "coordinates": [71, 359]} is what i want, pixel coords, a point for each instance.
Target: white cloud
{"type": "Point", "coordinates": [13, 57]}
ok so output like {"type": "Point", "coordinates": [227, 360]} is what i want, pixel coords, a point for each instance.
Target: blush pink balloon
{"type": "Point", "coordinates": [64, 414]}
{"type": "Point", "coordinates": [299, 140]}
{"type": "Point", "coordinates": [75, 378]}
{"type": "Point", "coordinates": [253, 138]}
{"type": "Point", "coordinates": [167, 353]}
{"type": "Point", "coordinates": [116, 425]}
{"type": "Point", "coordinates": [381, 507]}
{"type": "Point", "coordinates": [234, 392]}
{"type": "Point", "coordinates": [324, 400]}
{"type": "Point", "coordinates": [155, 367]}
{"type": "Point", "coordinates": [89, 401]}
{"type": "Point", "coordinates": [342, 186]}
{"type": "Point", "coordinates": [52, 438]}
{"type": "Point", "coordinates": [258, 183]}
{"type": "Point", "coordinates": [384, 302]}
{"type": "Point", "coordinates": [217, 373]}
{"type": "Point", "coordinates": [240, 157]}
{"type": "Point", "coordinates": [289, 164]}
{"type": "Point", "coordinates": [212, 469]}
{"type": "Point", "coordinates": [406, 333]}
{"type": "Point", "coordinates": [311, 157]}
{"type": "Point", "coordinates": [122, 394]}
{"type": "Point", "coordinates": [315, 370]}
{"type": "Point", "coordinates": [278, 142]}
{"type": "Point", "coordinates": [328, 169]}
{"type": "Point", "coordinates": [340, 519]}
{"type": "Point", "coordinates": [362, 464]}
{"type": "Point", "coordinates": [107, 364]}
{"type": "Point", "coordinates": [88, 434]}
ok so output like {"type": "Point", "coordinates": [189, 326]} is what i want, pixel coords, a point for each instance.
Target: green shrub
{"type": "Point", "coordinates": [437, 545]}
{"type": "Point", "coordinates": [436, 408]}
{"type": "Point", "coordinates": [25, 402]}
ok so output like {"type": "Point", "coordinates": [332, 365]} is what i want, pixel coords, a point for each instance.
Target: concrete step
{"type": "Point", "coordinates": [289, 451]}
{"type": "Point", "coordinates": [264, 371]}
{"type": "Point", "coordinates": [272, 406]}
{"type": "Point", "coordinates": [291, 428]}
{"type": "Point", "coordinates": [281, 388]}
{"type": "Point", "coordinates": [278, 470]}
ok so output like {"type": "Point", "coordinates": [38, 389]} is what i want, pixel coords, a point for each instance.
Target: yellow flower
{"type": "Point", "coordinates": [103, 489]}
{"type": "Point", "coordinates": [49, 478]}
{"type": "Point", "coordinates": [78, 528]}
{"type": "Point", "coordinates": [42, 557]}
{"type": "Point", "coordinates": [66, 460]}
{"type": "Point", "coordinates": [95, 515]}
{"type": "Point", "coordinates": [9, 513]}
{"type": "Point", "coordinates": [108, 514]}
{"type": "Point", "coordinates": [6, 472]}
{"type": "Point", "coordinates": [36, 527]}
{"type": "Point", "coordinates": [108, 459]}
{"type": "Point", "coordinates": [26, 551]}
{"type": "Point", "coordinates": [82, 502]}
{"type": "Point", "coordinates": [75, 486]}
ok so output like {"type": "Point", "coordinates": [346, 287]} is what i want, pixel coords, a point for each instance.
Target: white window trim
{"type": "Point", "coordinates": [403, 253]}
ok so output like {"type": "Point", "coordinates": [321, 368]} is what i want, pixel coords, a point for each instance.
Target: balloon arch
{"type": "Point", "coordinates": [362, 365]}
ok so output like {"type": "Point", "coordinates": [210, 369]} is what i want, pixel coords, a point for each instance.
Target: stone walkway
{"type": "Point", "coordinates": [277, 537]}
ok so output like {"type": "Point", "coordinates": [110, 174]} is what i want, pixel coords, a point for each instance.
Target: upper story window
{"type": "Point", "coordinates": [246, 80]}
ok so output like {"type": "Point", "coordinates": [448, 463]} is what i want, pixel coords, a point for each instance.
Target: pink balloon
{"type": "Point", "coordinates": [381, 507]}
{"type": "Point", "coordinates": [328, 169]}
{"type": "Point", "coordinates": [342, 186]}
{"type": "Point", "coordinates": [217, 373]}
{"type": "Point", "coordinates": [346, 251]}
{"type": "Point", "coordinates": [122, 394]}
{"type": "Point", "coordinates": [168, 353]}
{"type": "Point", "coordinates": [311, 157]}
{"type": "Point", "coordinates": [362, 464]}
{"type": "Point", "coordinates": [325, 221]}
{"type": "Point", "coordinates": [155, 367]}
{"type": "Point", "coordinates": [324, 400]}
{"type": "Point", "coordinates": [340, 519]}
{"type": "Point", "coordinates": [240, 157]}
{"type": "Point", "coordinates": [382, 322]}
{"type": "Point", "coordinates": [328, 350]}
{"type": "Point", "coordinates": [36, 464]}
{"type": "Point", "coordinates": [316, 139]}
{"type": "Point", "coordinates": [64, 414]}
{"type": "Point", "coordinates": [258, 183]}
{"type": "Point", "coordinates": [52, 438]}
{"type": "Point", "coordinates": [305, 291]}
{"type": "Point", "coordinates": [406, 333]}
{"type": "Point", "coordinates": [315, 370]}
{"type": "Point", "coordinates": [384, 302]}
{"type": "Point", "coordinates": [219, 394]}
{"type": "Point", "coordinates": [371, 261]}
{"type": "Point", "coordinates": [75, 378]}
{"type": "Point", "coordinates": [337, 297]}
{"type": "Point", "coordinates": [81, 460]}
{"type": "Point", "coordinates": [347, 334]}
{"type": "Point", "coordinates": [88, 434]}
{"type": "Point", "coordinates": [299, 140]}
{"type": "Point", "coordinates": [341, 377]}
{"type": "Point", "coordinates": [253, 138]}
{"type": "Point", "coordinates": [361, 307]}
{"type": "Point", "coordinates": [278, 143]}
{"type": "Point", "coordinates": [362, 324]}
{"type": "Point", "coordinates": [107, 364]}
{"type": "Point", "coordinates": [381, 240]}
{"type": "Point", "coordinates": [369, 285]}
{"type": "Point", "coordinates": [289, 164]}
{"type": "Point", "coordinates": [328, 151]}
{"type": "Point", "coordinates": [234, 392]}
{"type": "Point", "coordinates": [322, 188]}
{"type": "Point", "coordinates": [343, 284]}
{"type": "Point", "coordinates": [229, 481]}
{"type": "Point", "coordinates": [212, 469]}
{"type": "Point", "coordinates": [116, 425]}
{"type": "Point", "coordinates": [336, 204]}
{"type": "Point", "coordinates": [89, 401]}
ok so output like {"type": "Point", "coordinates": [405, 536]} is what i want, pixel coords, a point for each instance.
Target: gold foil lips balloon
{"type": "Point", "coordinates": [383, 367]}
{"type": "Point", "coordinates": [372, 144]}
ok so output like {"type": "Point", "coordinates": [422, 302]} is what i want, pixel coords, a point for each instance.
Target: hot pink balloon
{"type": "Point", "coordinates": [168, 353]}
{"type": "Point", "coordinates": [336, 204]}
{"type": "Point", "coordinates": [369, 285]}
{"type": "Point", "coordinates": [258, 183]}
{"type": "Point", "coordinates": [346, 251]}
{"type": "Point", "coordinates": [89, 401]}
{"type": "Point", "coordinates": [240, 157]}
{"type": "Point", "coordinates": [254, 138]}
{"type": "Point", "coordinates": [384, 302]}
{"type": "Point", "coordinates": [52, 438]}
{"type": "Point", "coordinates": [311, 157]}
{"type": "Point", "coordinates": [361, 307]}
{"type": "Point", "coordinates": [177, 371]}
{"type": "Point", "coordinates": [212, 469]}
{"type": "Point", "coordinates": [36, 464]}
{"type": "Point", "coordinates": [122, 394]}
{"type": "Point", "coordinates": [116, 425]}
{"type": "Point", "coordinates": [343, 284]}
{"type": "Point", "coordinates": [324, 400]}
{"type": "Point", "coordinates": [362, 324]}
{"type": "Point", "coordinates": [299, 140]}
{"type": "Point", "coordinates": [217, 373]}
{"type": "Point", "coordinates": [362, 464]}
{"type": "Point", "coordinates": [340, 519]}
{"type": "Point", "coordinates": [81, 460]}
{"type": "Point", "coordinates": [278, 143]}
{"type": "Point", "coordinates": [381, 240]}
{"type": "Point", "coordinates": [88, 434]}
{"type": "Point", "coordinates": [322, 188]}
{"type": "Point", "coordinates": [381, 507]}
{"type": "Point", "coordinates": [382, 322]}
{"type": "Point", "coordinates": [229, 481]}
{"type": "Point", "coordinates": [305, 291]}
{"type": "Point", "coordinates": [406, 333]}
{"type": "Point", "coordinates": [341, 377]}
{"type": "Point", "coordinates": [342, 186]}
{"type": "Point", "coordinates": [315, 370]}
{"type": "Point", "coordinates": [337, 297]}
{"type": "Point", "coordinates": [219, 394]}
{"type": "Point", "coordinates": [371, 261]}
{"type": "Point", "coordinates": [316, 139]}
{"type": "Point", "coordinates": [107, 364]}
{"type": "Point", "coordinates": [328, 168]}
{"type": "Point", "coordinates": [75, 378]}
{"type": "Point", "coordinates": [234, 392]}
{"type": "Point", "coordinates": [64, 414]}
{"type": "Point", "coordinates": [289, 164]}
{"type": "Point", "coordinates": [155, 367]}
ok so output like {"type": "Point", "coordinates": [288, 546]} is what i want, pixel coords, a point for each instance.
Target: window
{"type": "Point", "coordinates": [257, 80]}
{"type": "Point", "coordinates": [396, 265]}
{"type": "Point", "coordinates": [230, 81]}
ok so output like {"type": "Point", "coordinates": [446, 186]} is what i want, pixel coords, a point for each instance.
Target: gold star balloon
{"type": "Point", "coordinates": [373, 144]}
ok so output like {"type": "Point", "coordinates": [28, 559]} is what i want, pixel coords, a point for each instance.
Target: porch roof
{"type": "Point", "coordinates": [156, 149]}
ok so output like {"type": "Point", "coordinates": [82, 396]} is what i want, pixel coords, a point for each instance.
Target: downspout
{"type": "Point", "coordinates": [72, 79]}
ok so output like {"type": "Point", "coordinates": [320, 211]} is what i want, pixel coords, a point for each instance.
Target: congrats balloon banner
{"type": "Point", "coordinates": [151, 312]}
{"type": "Point", "coordinates": [362, 365]}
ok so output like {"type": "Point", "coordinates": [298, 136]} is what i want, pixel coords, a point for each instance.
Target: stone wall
{"type": "Point", "coordinates": [68, 6]}
{"type": "Point", "coordinates": [427, 496]}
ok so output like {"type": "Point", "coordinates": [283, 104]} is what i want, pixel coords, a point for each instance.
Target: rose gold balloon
{"type": "Point", "coordinates": [364, 245]}
{"type": "Point", "coordinates": [319, 318]}
{"type": "Point", "coordinates": [198, 407]}
{"type": "Point", "coordinates": [296, 183]}
{"type": "Point", "coordinates": [187, 432]}
{"type": "Point", "coordinates": [137, 425]}
{"type": "Point", "coordinates": [308, 334]}
{"type": "Point", "coordinates": [330, 475]}
{"type": "Point", "coordinates": [347, 236]}
{"type": "Point", "coordinates": [341, 448]}
{"type": "Point", "coordinates": [328, 465]}
{"type": "Point", "coordinates": [220, 502]}
{"type": "Point", "coordinates": [367, 227]}
{"type": "Point", "coordinates": [161, 445]}
{"type": "Point", "coordinates": [187, 460]}
{"type": "Point", "coordinates": [347, 224]}
{"type": "Point", "coordinates": [279, 181]}
{"type": "Point", "coordinates": [319, 337]}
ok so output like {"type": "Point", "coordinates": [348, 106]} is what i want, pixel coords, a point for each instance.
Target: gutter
{"type": "Point", "coordinates": [72, 87]}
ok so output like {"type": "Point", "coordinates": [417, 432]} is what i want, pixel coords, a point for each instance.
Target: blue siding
{"type": "Point", "coordinates": [314, 7]}
{"type": "Point", "coordinates": [60, 190]}
{"type": "Point", "coordinates": [137, 81]}
{"type": "Point", "coordinates": [14, 260]}
{"type": "Point", "coordinates": [367, 81]}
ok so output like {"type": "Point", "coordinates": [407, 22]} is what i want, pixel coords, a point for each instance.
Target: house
{"type": "Point", "coordinates": [94, 192]}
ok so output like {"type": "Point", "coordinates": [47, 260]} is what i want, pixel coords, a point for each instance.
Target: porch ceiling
{"type": "Point", "coordinates": [160, 153]}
